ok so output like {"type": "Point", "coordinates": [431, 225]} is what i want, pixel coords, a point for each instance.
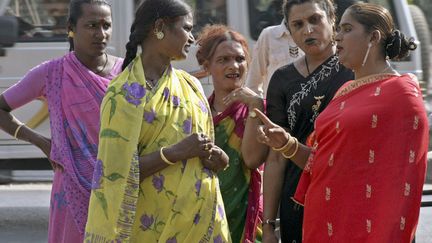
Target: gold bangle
{"type": "Point", "coordinates": [17, 130]}
{"type": "Point", "coordinates": [165, 158]}
{"type": "Point", "coordinates": [295, 150]}
{"type": "Point", "coordinates": [285, 146]}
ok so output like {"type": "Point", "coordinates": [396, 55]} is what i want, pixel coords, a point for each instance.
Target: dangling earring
{"type": "Point", "coordinates": [367, 54]}
{"type": "Point", "coordinates": [159, 34]}
{"type": "Point", "coordinates": [70, 34]}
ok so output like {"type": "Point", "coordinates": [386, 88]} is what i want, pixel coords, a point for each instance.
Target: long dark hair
{"type": "Point", "coordinates": [76, 11]}
{"type": "Point", "coordinates": [146, 15]}
{"type": "Point", "coordinates": [375, 17]}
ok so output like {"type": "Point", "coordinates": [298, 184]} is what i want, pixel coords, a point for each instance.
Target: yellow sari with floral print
{"type": "Point", "coordinates": [181, 203]}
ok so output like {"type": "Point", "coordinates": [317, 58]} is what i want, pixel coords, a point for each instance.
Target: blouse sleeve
{"type": "Point", "coordinates": [276, 100]}
{"type": "Point", "coordinates": [27, 89]}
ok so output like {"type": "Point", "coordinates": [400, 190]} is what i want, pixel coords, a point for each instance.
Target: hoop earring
{"type": "Point", "coordinates": [367, 54]}
{"type": "Point", "coordinates": [159, 34]}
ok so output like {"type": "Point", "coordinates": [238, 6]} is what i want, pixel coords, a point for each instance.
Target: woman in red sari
{"type": "Point", "coordinates": [363, 177]}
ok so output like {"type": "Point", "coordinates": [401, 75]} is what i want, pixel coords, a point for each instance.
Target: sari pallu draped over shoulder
{"type": "Point", "coordinates": [240, 186]}
{"type": "Point", "coordinates": [181, 203]}
{"type": "Point", "coordinates": [364, 179]}
{"type": "Point", "coordinates": [74, 94]}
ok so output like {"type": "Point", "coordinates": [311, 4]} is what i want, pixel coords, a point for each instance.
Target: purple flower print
{"type": "Point", "coordinates": [166, 93]}
{"type": "Point", "coordinates": [149, 116]}
{"type": "Point", "coordinates": [198, 187]}
{"type": "Point", "coordinates": [208, 172]}
{"type": "Point", "coordinates": [134, 93]}
{"type": "Point", "coordinates": [146, 222]}
{"type": "Point", "coordinates": [176, 101]}
{"type": "Point", "coordinates": [158, 182]}
{"type": "Point", "coordinates": [172, 240]}
{"type": "Point", "coordinates": [203, 106]}
{"type": "Point", "coordinates": [218, 239]}
{"type": "Point", "coordinates": [187, 126]}
{"type": "Point", "coordinates": [221, 211]}
{"type": "Point", "coordinates": [97, 174]}
{"type": "Point", "coordinates": [196, 218]}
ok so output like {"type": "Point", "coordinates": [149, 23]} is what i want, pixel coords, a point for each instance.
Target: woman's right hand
{"type": "Point", "coordinates": [270, 133]}
{"type": "Point", "coordinates": [45, 145]}
{"type": "Point", "coordinates": [194, 145]}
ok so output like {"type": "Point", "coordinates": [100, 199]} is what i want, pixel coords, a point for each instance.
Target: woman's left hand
{"type": "Point", "coordinates": [245, 96]}
{"type": "Point", "coordinates": [217, 160]}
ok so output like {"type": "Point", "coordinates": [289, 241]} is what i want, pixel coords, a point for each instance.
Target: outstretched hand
{"type": "Point", "coordinates": [270, 133]}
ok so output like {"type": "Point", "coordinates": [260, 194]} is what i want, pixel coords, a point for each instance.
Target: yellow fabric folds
{"type": "Point", "coordinates": [181, 203]}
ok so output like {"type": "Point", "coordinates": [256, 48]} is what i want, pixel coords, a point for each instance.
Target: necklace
{"type": "Point", "coordinates": [307, 66]}
{"type": "Point", "coordinates": [103, 68]}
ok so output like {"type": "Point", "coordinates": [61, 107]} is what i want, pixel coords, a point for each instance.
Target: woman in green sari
{"type": "Point", "coordinates": [224, 55]}
{"type": "Point", "coordinates": [156, 133]}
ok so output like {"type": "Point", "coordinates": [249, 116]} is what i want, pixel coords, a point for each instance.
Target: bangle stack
{"type": "Point", "coordinates": [292, 141]}
{"type": "Point", "coordinates": [164, 158]}
{"type": "Point", "coordinates": [17, 130]}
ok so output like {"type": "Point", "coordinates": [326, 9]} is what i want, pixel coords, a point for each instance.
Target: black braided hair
{"type": "Point", "coordinates": [75, 12]}
{"type": "Point", "coordinates": [146, 15]}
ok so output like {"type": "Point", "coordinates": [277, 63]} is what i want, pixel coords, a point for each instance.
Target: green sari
{"type": "Point", "coordinates": [240, 186]}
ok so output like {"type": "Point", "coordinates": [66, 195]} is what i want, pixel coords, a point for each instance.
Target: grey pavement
{"type": "Point", "coordinates": [24, 210]}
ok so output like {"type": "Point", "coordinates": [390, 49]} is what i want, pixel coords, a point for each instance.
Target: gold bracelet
{"type": "Point", "coordinates": [285, 146]}
{"type": "Point", "coordinates": [17, 130]}
{"type": "Point", "coordinates": [164, 158]}
{"type": "Point", "coordinates": [295, 150]}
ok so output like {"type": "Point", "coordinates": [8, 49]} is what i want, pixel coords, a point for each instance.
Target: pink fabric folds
{"type": "Point", "coordinates": [74, 95]}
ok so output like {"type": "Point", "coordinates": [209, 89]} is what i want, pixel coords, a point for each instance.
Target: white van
{"type": "Point", "coordinates": [32, 31]}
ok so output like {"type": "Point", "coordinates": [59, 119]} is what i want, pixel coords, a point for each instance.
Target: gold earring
{"type": "Point", "coordinates": [159, 34]}
{"type": "Point", "coordinates": [70, 34]}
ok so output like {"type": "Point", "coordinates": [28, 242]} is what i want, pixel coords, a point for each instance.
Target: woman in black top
{"type": "Point", "coordinates": [296, 95]}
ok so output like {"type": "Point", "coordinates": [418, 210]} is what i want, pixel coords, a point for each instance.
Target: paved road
{"type": "Point", "coordinates": [24, 214]}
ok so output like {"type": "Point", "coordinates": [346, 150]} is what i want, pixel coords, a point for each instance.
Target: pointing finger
{"type": "Point", "coordinates": [264, 118]}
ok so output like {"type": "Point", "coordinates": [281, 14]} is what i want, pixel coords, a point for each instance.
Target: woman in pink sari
{"type": "Point", "coordinates": [73, 86]}
{"type": "Point", "coordinates": [363, 177]}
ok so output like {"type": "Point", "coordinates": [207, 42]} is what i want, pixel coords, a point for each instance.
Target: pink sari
{"type": "Point", "coordinates": [363, 181]}
{"type": "Point", "coordinates": [74, 95]}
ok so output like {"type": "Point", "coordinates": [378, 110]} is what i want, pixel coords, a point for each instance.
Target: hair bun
{"type": "Point", "coordinates": [393, 44]}
{"type": "Point", "coordinates": [397, 46]}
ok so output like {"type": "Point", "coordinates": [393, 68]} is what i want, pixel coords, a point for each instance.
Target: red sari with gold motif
{"type": "Point", "coordinates": [363, 181]}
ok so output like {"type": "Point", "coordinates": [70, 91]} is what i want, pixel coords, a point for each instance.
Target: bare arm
{"type": "Point", "coordinates": [253, 152]}
{"type": "Point", "coordinates": [273, 182]}
{"type": "Point", "coordinates": [10, 124]}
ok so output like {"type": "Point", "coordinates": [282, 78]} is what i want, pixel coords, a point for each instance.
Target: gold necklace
{"type": "Point", "coordinates": [103, 67]}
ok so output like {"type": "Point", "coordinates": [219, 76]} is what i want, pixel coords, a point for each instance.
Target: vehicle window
{"type": "Point", "coordinates": [40, 20]}
{"type": "Point", "coordinates": [263, 13]}
{"type": "Point", "coordinates": [205, 12]}
{"type": "Point", "coordinates": [208, 12]}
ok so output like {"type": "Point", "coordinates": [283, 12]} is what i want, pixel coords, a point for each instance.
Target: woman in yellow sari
{"type": "Point", "coordinates": [149, 183]}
